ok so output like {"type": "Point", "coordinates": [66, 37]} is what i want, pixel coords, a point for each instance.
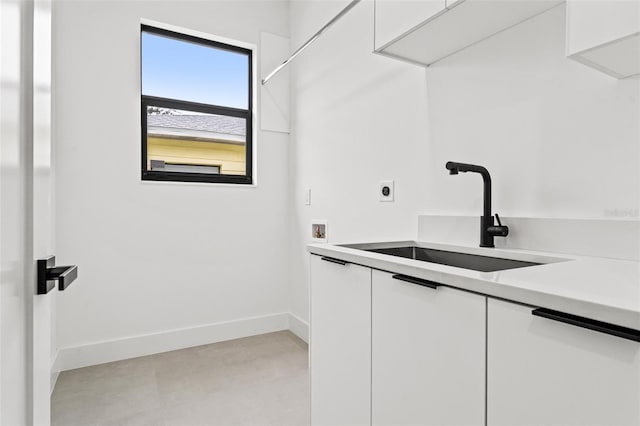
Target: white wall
{"type": "Point", "coordinates": [155, 256]}
{"type": "Point", "coordinates": [560, 139]}
{"type": "Point", "coordinates": [359, 118]}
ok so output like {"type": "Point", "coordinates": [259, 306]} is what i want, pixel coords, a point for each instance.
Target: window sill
{"type": "Point", "coordinates": [156, 176]}
{"type": "Point", "coordinates": [204, 184]}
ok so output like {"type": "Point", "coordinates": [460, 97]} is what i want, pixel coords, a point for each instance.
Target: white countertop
{"type": "Point", "coordinates": [598, 288]}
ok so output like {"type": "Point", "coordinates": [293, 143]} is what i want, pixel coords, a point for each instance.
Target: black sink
{"type": "Point", "coordinates": [450, 258]}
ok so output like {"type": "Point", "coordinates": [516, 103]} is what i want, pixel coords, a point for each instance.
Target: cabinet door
{"type": "Point", "coordinates": [340, 343]}
{"type": "Point", "coordinates": [544, 372]}
{"type": "Point", "coordinates": [395, 17]}
{"type": "Point", "coordinates": [428, 354]}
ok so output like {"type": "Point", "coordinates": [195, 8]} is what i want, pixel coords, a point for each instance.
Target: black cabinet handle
{"type": "Point", "coordinates": [591, 324]}
{"type": "Point", "coordinates": [418, 281]}
{"type": "Point", "coordinates": [48, 273]}
{"type": "Point", "coordinates": [332, 260]}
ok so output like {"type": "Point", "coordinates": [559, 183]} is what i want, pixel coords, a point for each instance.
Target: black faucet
{"type": "Point", "coordinates": [487, 228]}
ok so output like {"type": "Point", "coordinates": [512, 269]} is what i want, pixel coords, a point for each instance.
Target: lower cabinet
{"type": "Point", "coordinates": [387, 349]}
{"type": "Point", "coordinates": [340, 343]}
{"type": "Point", "coordinates": [544, 372]}
{"type": "Point", "coordinates": [428, 354]}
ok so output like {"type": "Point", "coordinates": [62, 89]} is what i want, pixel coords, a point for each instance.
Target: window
{"type": "Point", "coordinates": [196, 109]}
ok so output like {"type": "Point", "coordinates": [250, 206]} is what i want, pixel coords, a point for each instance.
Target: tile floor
{"type": "Point", "coordinates": [259, 380]}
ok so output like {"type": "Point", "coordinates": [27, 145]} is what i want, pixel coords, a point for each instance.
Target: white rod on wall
{"type": "Point", "coordinates": [311, 40]}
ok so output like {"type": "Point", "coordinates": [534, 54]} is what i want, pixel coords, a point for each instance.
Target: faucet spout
{"type": "Point", "coordinates": [487, 228]}
{"type": "Point", "coordinates": [455, 168]}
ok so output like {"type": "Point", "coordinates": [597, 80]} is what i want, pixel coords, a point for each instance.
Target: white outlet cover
{"type": "Point", "coordinates": [307, 196]}
{"type": "Point", "coordinates": [387, 184]}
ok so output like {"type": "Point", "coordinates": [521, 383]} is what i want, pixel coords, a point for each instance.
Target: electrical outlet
{"type": "Point", "coordinates": [386, 192]}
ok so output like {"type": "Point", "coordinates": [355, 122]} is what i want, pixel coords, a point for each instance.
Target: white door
{"type": "Point", "coordinates": [26, 211]}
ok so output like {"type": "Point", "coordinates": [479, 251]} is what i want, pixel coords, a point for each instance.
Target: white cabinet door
{"type": "Point", "coordinates": [428, 354]}
{"type": "Point", "coordinates": [395, 17]}
{"type": "Point", "coordinates": [340, 343]}
{"type": "Point", "coordinates": [544, 372]}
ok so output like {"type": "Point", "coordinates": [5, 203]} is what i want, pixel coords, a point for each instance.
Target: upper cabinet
{"type": "Point", "coordinates": [425, 31]}
{"type": "Point", "coordinates": [605, 35]}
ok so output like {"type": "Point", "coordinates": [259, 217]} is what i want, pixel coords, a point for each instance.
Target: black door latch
{"type": "Point", "coordinates": [48, 273]}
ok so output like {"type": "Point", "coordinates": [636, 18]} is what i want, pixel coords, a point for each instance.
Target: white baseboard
{"type": "Point", "coordinates": [299, 327]}
{"type": "Point", "coordinates": [131, 347]}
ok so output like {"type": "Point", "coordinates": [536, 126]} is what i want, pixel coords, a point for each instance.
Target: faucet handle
{"type": "Point", "coordinates": [500, 230]}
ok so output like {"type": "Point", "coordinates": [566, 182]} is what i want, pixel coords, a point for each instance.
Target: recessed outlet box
{"type": "Point", "coordinates": [386, 192]}
{"type": "Point", "coordinates": [319, 230]}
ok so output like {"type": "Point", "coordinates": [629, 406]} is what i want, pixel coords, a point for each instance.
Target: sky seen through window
{"type": "Point", "coordinates": [182, 70]}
